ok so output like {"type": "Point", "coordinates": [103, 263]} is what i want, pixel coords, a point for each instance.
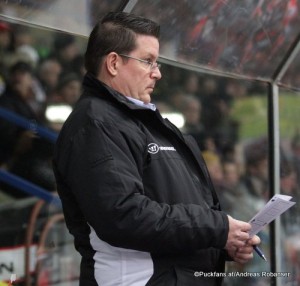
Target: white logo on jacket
{"type": "Point", "coordinates": [153, 148]}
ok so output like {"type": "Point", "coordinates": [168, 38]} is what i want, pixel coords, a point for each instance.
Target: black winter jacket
{"type": "Point", "coordinates": [136, 195]}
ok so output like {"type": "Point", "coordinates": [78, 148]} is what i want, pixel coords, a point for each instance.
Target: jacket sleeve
{"type": "Point", "coordinates": [103, 170]}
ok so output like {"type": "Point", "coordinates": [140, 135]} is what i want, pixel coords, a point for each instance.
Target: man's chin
{"type": "Point", "coordinates": [146, 99]}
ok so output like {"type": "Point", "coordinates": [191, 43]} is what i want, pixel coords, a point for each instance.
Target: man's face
{"type": "Point", "coordinates": [136, 79]}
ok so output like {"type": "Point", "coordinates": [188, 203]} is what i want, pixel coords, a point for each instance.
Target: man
{"type": "Point", "coordinates": [136, 194]}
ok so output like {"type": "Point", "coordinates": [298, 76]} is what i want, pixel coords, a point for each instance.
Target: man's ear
{"type": "Point", "coordinates": [112, 62]}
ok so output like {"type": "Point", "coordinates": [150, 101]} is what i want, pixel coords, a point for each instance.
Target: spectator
{"type": "Point", "coordinates": [288, 186]}
{"type": "Point", "coordinates": [6, 50]}
{"type": "Point", "coordinates": [24, 46]}
{"type": "Point", "coordinates": [65, 50]}
{"type": "Point", "coordinates": [176, 98]}
{"type": "Point", "coordinates": [34, 165]}
{"type": "Point", "coordinates": [295, 146]}
{"type": "Point", "coordinates": [191, 84]}
{"type": "Point", "coordinates": [78, 65]}
{"type": "Point", "coordinates": [21, 151]}
{"type": "Point", "coordinates": [214, 167]}
{"type": "Point", "coordinates": [229, 192]}
{"type": "Point", "coordinates": [254, 182]}
{"type": "Point", "coordinates": [17, 98]}
{"type": "Point", "coordinates": [68, 89]}
{"type": "Point", "coordinates": [208, 96]}
{"type": "Point", "coordinates": [5, 36]}
{"type": "Point", "coordinates": [48, 74]}
{"type": "Point", "coordinates": [191, 110]}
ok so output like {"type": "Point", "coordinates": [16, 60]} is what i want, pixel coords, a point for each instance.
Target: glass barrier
{"type": "Point", "coordinates": [249, 38]}
{"type": "Point", "coordinates": [77, 18]}
{"type": "Point", "coordinates": [291, 79]}
{"type": "Point", "coordinates": [289, 103]}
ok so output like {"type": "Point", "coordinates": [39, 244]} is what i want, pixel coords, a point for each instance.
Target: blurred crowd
{"type": "Point", "coordinates": [31, 81]}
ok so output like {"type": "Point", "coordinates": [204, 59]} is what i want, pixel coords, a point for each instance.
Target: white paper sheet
{"type": "Point", "coordinates": [277, 205]}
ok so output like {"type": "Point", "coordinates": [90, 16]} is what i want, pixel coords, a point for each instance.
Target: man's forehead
{"type": "Point", "coordinates": [147, 44]}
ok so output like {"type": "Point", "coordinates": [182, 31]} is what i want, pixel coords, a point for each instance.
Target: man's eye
{"type": "Point", "coordinates": [149, 62]}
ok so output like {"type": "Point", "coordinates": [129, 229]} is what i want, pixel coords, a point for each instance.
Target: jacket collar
{"type": "Point", "coordinates": [100, 89]}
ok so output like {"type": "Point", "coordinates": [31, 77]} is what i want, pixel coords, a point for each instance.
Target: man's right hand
{"type": "Point", "coordinates": [237, 234]}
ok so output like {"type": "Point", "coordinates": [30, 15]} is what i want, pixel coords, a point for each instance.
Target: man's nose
{"type": "Point", "coordinates": [156, 74]}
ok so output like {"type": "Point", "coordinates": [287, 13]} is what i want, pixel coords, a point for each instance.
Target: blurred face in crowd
{"type": "Point", "coordinates": [4, 39]}
{"type": "Point", "coordinates": [69, 52]}
{"type": "Point", "coordinates": [231, 174]}
{"type": "Point", "coordinates": [296, 151]}
{"type": "Point", "coordinates": [134, 78]}
{"type": "Point", "coordinates": [70, 92]}
{"type": "Point", "coordinates": [214, 166]}
{"type": "Point", "coordinates": [192, 84]}
{"type": "Point", "coordinates": [49, 73]}
{"type": "Point", "coordinates": [288, 183]}
{"type": "Point", "coordinates": [260, 169]}
{"type": "Point", "coordinates": [23, 37]}
{"type": "Point", "coordinates": [22, 83]}
{"type": "Point", "coordinates": [216, 171]}
{"type": "Point", "coordinates": [192, 112]}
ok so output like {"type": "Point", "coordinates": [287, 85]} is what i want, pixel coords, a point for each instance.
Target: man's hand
{"type": "Point", "coordinates": [244, 254]}
{"type": "Point", "coordinates": [239, 245]}
{"type": "Point", "coordinates": [237, 234]}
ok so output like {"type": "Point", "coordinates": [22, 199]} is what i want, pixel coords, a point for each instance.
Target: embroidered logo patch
{"type": "Point", "coordinates": [153, 148]}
